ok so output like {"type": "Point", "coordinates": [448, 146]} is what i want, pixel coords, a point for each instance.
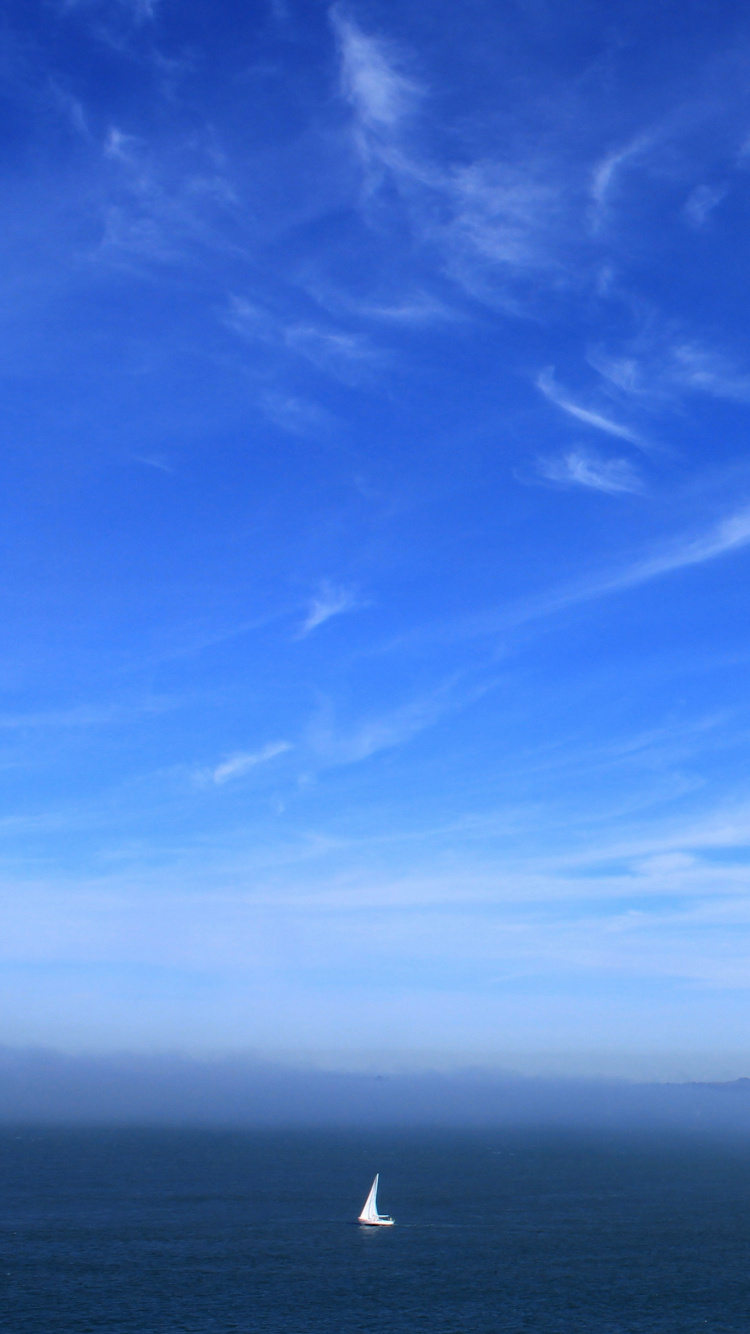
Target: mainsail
{"type": "Point", "coordinates": [370, 1212]}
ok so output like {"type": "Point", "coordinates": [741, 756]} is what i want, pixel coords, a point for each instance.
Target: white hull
{"type": "Point", "coordinates": [377, 1222]}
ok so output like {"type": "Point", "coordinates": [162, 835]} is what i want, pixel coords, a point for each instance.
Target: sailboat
{"type": "Point", "coordinates": [370, 1213]}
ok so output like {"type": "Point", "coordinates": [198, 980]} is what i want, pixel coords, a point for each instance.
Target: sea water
{"type": "Point", "coordinates": [157, 1231]}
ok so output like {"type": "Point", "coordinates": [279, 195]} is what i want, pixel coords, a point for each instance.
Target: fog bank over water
{"type": "Point", "coordinates": [50, 1087]}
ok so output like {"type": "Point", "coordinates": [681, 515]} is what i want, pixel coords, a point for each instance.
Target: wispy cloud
{"type": "Point", "coordinates": [335, 745]}
{"type": "Point", "coordinates": [249, 319]}
{"type": "Point", "coordinates": [380, 94]}
{"type": "Point", "coordinates": [341, 353]}
{"type": "Point", "coordinates": [607, 170]}
{"type": "Point", "coordinates": [497, 217]}
{"type": "Point", "coordinates": [419, 309]}
{"type": "Point", "coordinates": [71, 108]}
{"type": "Point", "coordinates": [706, 371]}
{"type": "Point", "coordinates": [396, 304]}
{"type": "Point", "coordinates": [729, 535]}
{"type": "Point", "coordinates": [579, 467]}
{"type": "Point", "coordinates": [94, 715]}
{"type": "Point", "coordinates": [240, 764]}
{"type": "Point", "coordinates": [502, 215]}
{"type": "Point", "coordinates": [139, 10]}
{"type": "Point", "coordinates": [159, 208]}
{"type": "Point", "coordinates": [591, 417]}
{"type": "Point", "coordinates": [152, 461]}
{"type": "Point", "coordinates": [661, 365]}
{"type": "Point", "coordinates": [702, 201]}
{"type": "Point", "coordinates": [330, 601]}
{"type": "Point", "coordinates": [142, 9]}
{"type": "Point", "coordinates": [626, 371]}
{"type": "Point", "coordinates": [120, 146]}
{"type": "Point", "coordinates": [298, 416]}
{"type": "Point", "coordinates": [338, 352]}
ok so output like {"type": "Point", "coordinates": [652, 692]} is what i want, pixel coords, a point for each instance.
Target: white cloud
{"type": "Point", "coordinates": [248, 319]}
{"type": "Point", "coordinates": [624, 372]}
{"type": "Point", "coordinates": [379, 93]}
{"type": "Point", "coordinates": [346, 356]}
{"type": "Point", "coordinates": [93, 715]}
{"type": "Point", "coordinates": [335, 745]}
{"type": "Point", "coordinates": [731, 534]}
{"type": "Point", "coordinates": [547, 384]}
{"type": "Point", "coordinates": [71, 108]}
{"type": "Point", "coordinates": [702, 201]}
{"type": "Point", "coordinates": [662, 365]}
{"type": "Point", "coordinates": [152, 212]}
{"type": "Point", "coordinates": [330, 601]}
{"type": "Point", "coordinates": [240, 764]}
{"type": "Point", "coordinates": [280, 12]}
{"type": "Point", "coordinates": [502, 214]}
{"type": "Point", "coordinates": [581, 468]}
{"type": "Point", "coordinates": [152, 461]}
{"type": "Point", "coordinates": [142, 11]}
{"type": "Point", "coordinates": [339, 353]}
{"type": "Point", "coordinates": [703, 370]}
{"type": "Point", "coordinates": [396, 303]}
{"type": "Point", "coordinates": [484, 217]}
{"type": "Point", "coordinates": [298, 416]}
{"type": "Point", "coordinates": [606, 171]}
{"type": "Point", "coordinates": [421, 309]}
{"type": "Point", "coordinates": [121, 146]}
{"type": "Point", "coordinates": [139, 10]}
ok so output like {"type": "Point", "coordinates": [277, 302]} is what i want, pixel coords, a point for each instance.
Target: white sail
{"type": "Point", "coordinates": [370, 1212]}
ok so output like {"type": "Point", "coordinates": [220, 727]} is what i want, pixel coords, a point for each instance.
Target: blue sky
{"type": "Point", "coordinates": [376, 530]}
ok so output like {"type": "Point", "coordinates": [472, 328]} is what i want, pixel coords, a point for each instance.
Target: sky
{"type": "Point", "coordinates": [375, 524]}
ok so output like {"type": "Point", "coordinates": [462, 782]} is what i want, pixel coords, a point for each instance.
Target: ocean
{"type": "Point", "coordinates": [153, 1231]}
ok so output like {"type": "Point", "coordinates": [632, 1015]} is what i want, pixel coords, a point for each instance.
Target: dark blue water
{"type": "Point", "coordinates": [159, 1231]}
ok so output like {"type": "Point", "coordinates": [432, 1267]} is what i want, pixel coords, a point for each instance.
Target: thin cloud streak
{"type": "Point", "coordinates": [93, 716]}
{"type": "Point", "coordinates": [298, 416]}
{"type": "Point", "coordinates": [329, 602]}
{"type": "Point", "coordinates": [549, 387]}
{"type": "Point", "coordinates": [660, 367]}
{"type": "Point", "coordinates": [606, 172]}
{"type": "Point", "coordinates": [335, 746]}
{"type": "Point", "coordinates": [344, 355]}
{"type": "Point", "coordinates": [580, 468]}
{"type": "Point", "coordinates": [238, 765]}
{"type": "Point", "coordinates": [731, 534]}
{"type": "Point", "coordinates": [701, 370]}
{"type": "Point", "coordinates": [139, 10]}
